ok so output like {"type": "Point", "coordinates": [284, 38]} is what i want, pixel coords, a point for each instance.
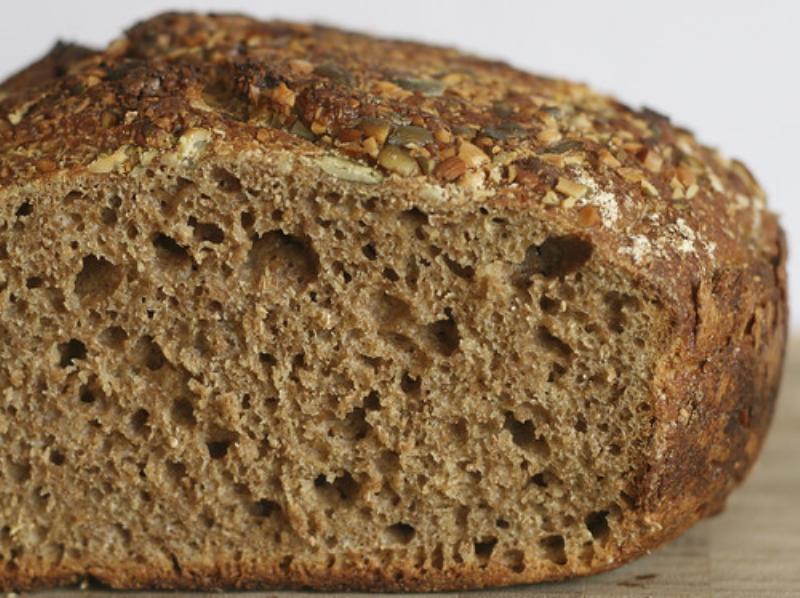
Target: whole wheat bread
{"type": "Point", "coordinates": [288, 306]}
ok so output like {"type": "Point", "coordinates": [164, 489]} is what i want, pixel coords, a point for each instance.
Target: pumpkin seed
{"type": "Point", "coordinates": [300, 130]}
{"type": "Point", "coordinates": [395, 159]}
{"type": "Point", "coordinates": [411, 135]}
{"type": "Point", "coordinates": [503, 131]}
{"type": "Point", "coordinates": [427, 87]}
{"type": "Point", "coordinates": [335, 73]}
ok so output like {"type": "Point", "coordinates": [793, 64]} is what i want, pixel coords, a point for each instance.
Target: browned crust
{"type": "Point", "coordinates": [706, 244]}
{"type": "Point", "coordinates": [53, 65]}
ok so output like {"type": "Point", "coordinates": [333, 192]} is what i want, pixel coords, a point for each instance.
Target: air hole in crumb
{"type": "Point", "coordinates": [183, 412]}
{"type": "Point", "coordinates": [580, 424]}
{"type": "Point", "coordinates": [264, 508]}
{"type": "Point", "coordinates": [484, 549]}
{"type": "Point", "coordinates": [218, 449]}
{"type": "Point", "coordinates": [443, 336]}
{"type": "Point", "coordinates": [388, 309]}
{"type": "Point", "coordinates": [108, 216]}
{"type": "Point", "coordinates": [556, 257]}
{"type": "Point", "coordinates": [247, 219]}
{"type": "Point", "coordinates": [552, 343]}
{"type": "Point", "coordinates": [459, 430]}
{"type": "Point", "coordinates": [524, 435]}
{"type": "Point", "coordinates": [615, 449]}
{"type": "Point", "coordinates": [539, 480]}
{"type": "Point", "coordinates": [176, 471]}
{"type": "Point", "coordinates": [344, 487]}
{"type": "Point", "coordinates": [372, 402]}
{"type": "Point", "coordinates": [502, 524]}
{"type": "Point", "coordinates": [410, 385]}
{"type": "Point", "coordinates": [86, 395]}
{"type": "Point", "coordinates": [139, 421]}
{"type": "Point", "coordinates": [400, 533]}
{"type": "Point", "coordinates": [226, 181]}
{"type": "Point", "coordinates": [437, 558]}
{"type": "Point", "coordinates": [70, 351]}
{"type": "Point", "coordinates": [748, 329]}
{"type": "Point", "coordinates": [514, 560]}
{"type": "Point", "coordinates": [553, 549]}
{"type": "Point", "coordinates": [113, 337]}
{"type": "Point", "coordinates": [618, 305]}
{"type": "Point", "coordinates": [20, 473]}
{"type": "Point", "coordinates": [57, 457]}
{"type": "Point", "coordinates": [267, 359]}
{"type": "Point", "coordinates": [390, 274]}
{"type": "Point", "coordinates": [548, 305]}
{"type": "Point", "coordinates": [466, 272]}
{"type": "Point", "coordinates": [33, 282]}
{"type": "Point", "coordinates": [414, 217]}
{"type": "Point", "coordinates": [388, 462]}
{"type": "Point", "coordinates": [369, 252]}
{"type": "Point", "coordinates": [24, 209]}
{"type": "Point", "coordinates": [597, 524]}
{"type": "Point", "coordinates": [209, 232]}
{"type": "Point", "coordinates": [356, 425]}
{"type": "Point", "coordinates": [97, 280]}
{"type": "Point", "coordinates": [283, 257]}
{"type": "Point", "coordinates": [170, 253]}
{"type": "Point", "coordinates": [149, 353]}
{"type": "Point", "coordinates": [564, 255]}
{"type": "Point", "coordinates": [412, 273]}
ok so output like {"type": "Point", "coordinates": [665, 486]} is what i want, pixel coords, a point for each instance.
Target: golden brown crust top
{"type": "Point", "coordinates": [401, 110]}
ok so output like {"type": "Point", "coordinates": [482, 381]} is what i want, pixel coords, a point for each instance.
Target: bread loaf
{"type": "Point", "coordinates": [284, 306]}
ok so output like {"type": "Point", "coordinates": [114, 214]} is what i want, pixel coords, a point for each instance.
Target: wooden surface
{"type": "Point", "coordinates": [751, 549]}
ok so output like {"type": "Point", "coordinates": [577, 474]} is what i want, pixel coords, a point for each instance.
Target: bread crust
{"type": "Point", "coordinates": [687, 223]}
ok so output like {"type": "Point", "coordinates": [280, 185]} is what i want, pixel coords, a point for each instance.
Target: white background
{"type": "Point", "coordinates": [730, 71]}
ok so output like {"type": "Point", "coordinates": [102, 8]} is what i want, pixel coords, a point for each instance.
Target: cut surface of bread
{"type": "Point", "coordinates": [270, 320]}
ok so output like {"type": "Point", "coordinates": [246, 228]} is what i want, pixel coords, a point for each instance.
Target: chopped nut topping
{"type": "Point", "coordinates": [589, 217]}
{"type": "Point", "coordinates": [649, 187]}
{"type": "Point", "coordinates": [551, 199]}
{"type": "Point", "coordinates": [442, 136]}
{"type": "Point", "coordinates": [548, 136]}
{"type": "Point", "coordinates": [450, 169]}
{"type": "Point", "coordinates": [653, 161]}
{"type": "Point", "coordinates": [570, 188]}
{"type": "Point", "coordinates": [609, 159]}
{"type": "Point", "coordinates": [472, 155]}
{"type": "Point", "coordinates": [283, 95]}
{"type": "Point", "coordinates": [301, 67]}
{"type": "Point", "coordinates": [377, 128]}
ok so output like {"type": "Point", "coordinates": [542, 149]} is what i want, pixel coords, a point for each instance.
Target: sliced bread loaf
{"type": "Point", "coordinates": [287, 306]}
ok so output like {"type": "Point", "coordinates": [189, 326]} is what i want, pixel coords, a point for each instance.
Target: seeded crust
{"type": "Point", "coordinates": [217, 148]}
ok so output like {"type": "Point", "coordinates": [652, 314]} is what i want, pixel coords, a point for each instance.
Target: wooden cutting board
{"type": "Point", "coordinates": [751, 549]}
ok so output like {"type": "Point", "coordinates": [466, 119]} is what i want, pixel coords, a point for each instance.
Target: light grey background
{"type": "Point", "coordinates": [729, 70]}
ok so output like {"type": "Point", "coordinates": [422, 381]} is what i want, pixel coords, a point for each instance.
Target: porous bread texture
{"type": "Point", "coordinates": [219, 369]}
{"type": "Point", "coordinates": [288, 306]}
